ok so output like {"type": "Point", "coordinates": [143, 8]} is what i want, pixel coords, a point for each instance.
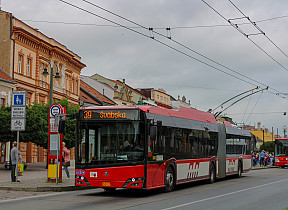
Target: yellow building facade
{"type": "Point", "coordinates": [25, 52]}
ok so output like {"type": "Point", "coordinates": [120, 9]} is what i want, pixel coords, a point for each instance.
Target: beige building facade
{"type": "Point", "coordinates": [159, 96]}
{"type": "Point", "coordinates": [24, 54]}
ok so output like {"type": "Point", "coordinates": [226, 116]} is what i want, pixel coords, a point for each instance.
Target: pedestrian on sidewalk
{"type": "Point", "coordinates": [66, 160]}
{"type": "Point", "coordinates": [262, 158]}
{"type": "Point", "coordinates": [14, 152]}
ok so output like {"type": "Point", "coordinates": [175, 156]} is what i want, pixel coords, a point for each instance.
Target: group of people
{"type": "Point", "coordinates": [15, 152]}
{"type": "Point", "coordinates": [263, 159]}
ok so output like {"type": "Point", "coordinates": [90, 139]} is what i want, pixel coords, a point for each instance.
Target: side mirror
{"type": "Point", "coordinates": [61, 126]}
{"type": "Point", "coordinates": [153, 132]}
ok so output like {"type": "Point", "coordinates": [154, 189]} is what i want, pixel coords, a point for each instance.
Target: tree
{"type": "Point", "coordinates": [70, 124]}
{"type": "Point", "coordinates": [36, 129]}
{"type": "Point", "coordinates": [37, 124]}
{"type": "Point", "coordinates": [268, 146]}
{"type": "Point", "coordinates": [5, 126]}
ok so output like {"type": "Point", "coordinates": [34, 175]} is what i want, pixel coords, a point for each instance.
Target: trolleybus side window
{"type": "Point", "coordinates": [236, 145]}
{"type": "Point", "coordinates": [183, 144]}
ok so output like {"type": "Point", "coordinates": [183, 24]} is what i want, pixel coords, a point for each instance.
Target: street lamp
{"type": "Point", "coordinates": [263, 130]}
{"type": "Point", "coordinates": [57, 77]}
{"type": "Point", "coordinates": [284, 130]}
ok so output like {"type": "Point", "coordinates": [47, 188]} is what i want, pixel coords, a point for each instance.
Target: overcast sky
{"type": "Point", "coordinates": [129, 53]}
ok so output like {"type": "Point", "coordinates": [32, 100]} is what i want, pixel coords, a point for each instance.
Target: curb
{"type": "Point", "coordinates": [45, 189]}
{"type": "Point", "coordinates": [263, 167]}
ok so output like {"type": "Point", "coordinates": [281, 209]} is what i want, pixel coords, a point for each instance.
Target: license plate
{"type": "Point", "coordinates": [106, 184]}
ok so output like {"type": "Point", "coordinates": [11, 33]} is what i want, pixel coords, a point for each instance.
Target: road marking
{"type": "Point", "coordinates": [29, 197]}
{"type": "Point", "coordinates": [219, 196]}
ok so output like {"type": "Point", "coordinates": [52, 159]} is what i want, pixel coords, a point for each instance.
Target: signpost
{"type": "Point", "coordinates": [18, 114]}
{"type": "Point", "coordinates": [55, 144]}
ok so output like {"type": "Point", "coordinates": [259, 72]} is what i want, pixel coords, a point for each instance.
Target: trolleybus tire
{"type": "Point", "coordinates": [239, 173]}
{"type": "Point", "coordinates": [212, 174]}
{"type": "Point", "coordinates": [169, 180]}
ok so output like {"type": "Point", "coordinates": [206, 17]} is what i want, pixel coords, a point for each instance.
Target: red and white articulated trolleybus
{"type": "Point", "coordinates": [146, 147]}
{"type": "Point", "coordinates": [281, 152]}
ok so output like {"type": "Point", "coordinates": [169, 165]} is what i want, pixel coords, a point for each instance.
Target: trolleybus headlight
{"type": "Point", "coordinates": [82, 177]}
{"type": "Point", "coordinates": [135, 184]}
{"type": "Point", "coordinates": [133, 180]}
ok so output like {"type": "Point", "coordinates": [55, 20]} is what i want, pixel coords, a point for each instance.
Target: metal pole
{"type": "Point", "coordinates": [51, 86]}
{"type": "Point", "coordinates": [57, 145]}
{"type": "Point", "coordinates": [263, 140]}
{"type": "Point", "coordinates": [16, 169]}
{"type": "Point", "coordinates": [50, 101]}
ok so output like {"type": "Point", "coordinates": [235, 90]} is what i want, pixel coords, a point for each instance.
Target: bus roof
{"type": "Point", "coordinates": [183, 112]}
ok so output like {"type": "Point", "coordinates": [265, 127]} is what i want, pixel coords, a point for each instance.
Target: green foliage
{"type": "Point", "coordinates": [268, 146]}
{"type": "Point", "coordinates": [5, 125]}
{"type": "Point", "coordinates": [36, 129]}
{"type": "Point", "coordinates": [70, 124]}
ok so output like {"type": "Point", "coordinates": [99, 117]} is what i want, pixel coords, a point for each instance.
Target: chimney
{"type": "Point", "coordinates": [259, 126]}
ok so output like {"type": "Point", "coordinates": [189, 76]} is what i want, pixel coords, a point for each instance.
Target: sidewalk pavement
{"type": "Point", "coordinates": [35, 179]}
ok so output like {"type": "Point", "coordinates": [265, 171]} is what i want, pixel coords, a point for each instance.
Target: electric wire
{"type": "Point", "coordinates": [186, 86]}
{"type": "Point", "coordinates": [176, 27]}
{"type": "Point", "coordinates": [254, 106]}
{"type": "Point", "coordinates": [238, 29]}
{"type": "Point", "coordinates": [173, 48]}
{"type": "Point", "coordinates": [253, 23]}
{"type": "Point", "coordinates": [246, 108]}
{"type": "Point", "coordinates": [181, 45]}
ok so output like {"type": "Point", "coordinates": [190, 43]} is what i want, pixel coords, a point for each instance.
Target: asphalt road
{"type": "Point", "coordinates": [258, 189]}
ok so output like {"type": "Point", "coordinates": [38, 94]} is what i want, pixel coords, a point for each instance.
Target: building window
{"type": "Point", "coordinates": [72, 90]}
{"type": "Point", "coordinates": [28, 101]}
{"type": "Point", "coordinates": [20, 61]}
{"type": "Point", "coordinates": [76, 86]}
{"type": "Point", "coordinates": [29, 67]}
{"type": "Point", "coordinates": [2, 101]}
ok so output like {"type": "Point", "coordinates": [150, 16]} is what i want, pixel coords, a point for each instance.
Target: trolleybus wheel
{"type": "Point", "coordinates": [239, 174]}
{"type": "Point", "coordinates": [169, 180]}
{"type": "Point", "coordinates": [212, 174]}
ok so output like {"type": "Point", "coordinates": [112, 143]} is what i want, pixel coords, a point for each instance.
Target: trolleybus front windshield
{"type": "Point", "coordinates": [113, 142]}
{"type": "Point", "coordinates": [281, 147]}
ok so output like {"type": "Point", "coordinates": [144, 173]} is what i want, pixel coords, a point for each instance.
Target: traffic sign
{"type": "Point", "coordinates": [55, 109]}
{"type": "Point", "coordinates": [17, 124]}
{"type": "Point", "coordinates": [18, 112]}
{"type": "Point", "coordinates": [19, 98]}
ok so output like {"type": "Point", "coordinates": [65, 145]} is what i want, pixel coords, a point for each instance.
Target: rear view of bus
{"type": "Point", "coordinates": [281, 152]}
